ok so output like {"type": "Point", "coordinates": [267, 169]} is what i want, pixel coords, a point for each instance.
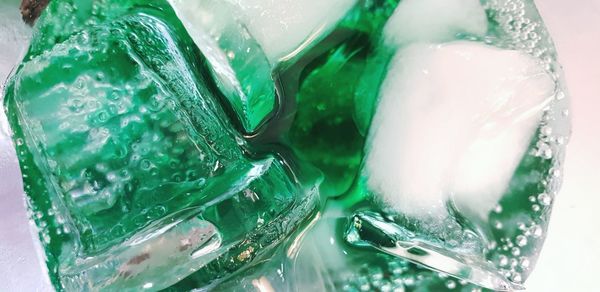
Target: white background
{"type": "Point", "coordinates": [570, 260]}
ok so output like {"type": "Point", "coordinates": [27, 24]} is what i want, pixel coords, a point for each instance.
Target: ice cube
{"type": "Point", "coordinates": [435, 21]}
{"type": "Point", "coordinates": [119, 135]}
{"type": "Point", "coordinates": [280, 27]}
{"type": "Point", "coordinates": [453, 121]}
{"type": "Point", "coordinates": [245, 40]}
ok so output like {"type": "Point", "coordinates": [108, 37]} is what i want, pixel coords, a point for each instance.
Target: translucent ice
{"type": "Point", "coordinates": [435, 20]}
{"type": "Point", "coordinates": [244, 40]}
{"type": "Point", "coordinates": [280, 27]}
{"type": "Point", "coordinates": [126, 152]}
{"type": "Point", "coordinates": [454, 121]}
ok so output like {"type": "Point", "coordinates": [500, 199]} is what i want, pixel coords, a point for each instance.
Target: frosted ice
{"type": "Point", "coordinates": [279, 26]}
{"type": "Point", "coordinates": [453, 119]}
{"type": "Point", "coordinates": [435, 20]}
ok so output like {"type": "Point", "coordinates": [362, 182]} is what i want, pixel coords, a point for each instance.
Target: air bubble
{"type": "Point", "coordinates": [521, 240]}
{"type": "Point", "coordinates": [537, 231]}
{"type": "Point", "coordinates": [502, 261]}
{"type": "Point", "coordinates": [524, 263]}
{"type": "Point", "coordinates": [498, 225]}
{"type": "Point", "coordinates": [145, 164]}
{"type": "Point", "coordinates": [544, 199]}
{"type": "Point", "coordinates": [498, 209]}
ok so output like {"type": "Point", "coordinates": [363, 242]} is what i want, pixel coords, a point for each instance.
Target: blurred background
{"type": "Point", "coordinates": [572, 249]}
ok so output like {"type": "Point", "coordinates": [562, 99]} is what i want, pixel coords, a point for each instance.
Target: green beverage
{"type": "Point", "coordinates": [188, 144]}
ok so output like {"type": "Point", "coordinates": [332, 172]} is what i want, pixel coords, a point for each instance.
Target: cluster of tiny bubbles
{"type": "Point", "coordinates": [517, 244]}
{"type": "Point", "coordinates": [397, 275]}
{"type": "Point", "coordinates": [522, 32]}
{"type": "Point", "coordinates": [510, 259]}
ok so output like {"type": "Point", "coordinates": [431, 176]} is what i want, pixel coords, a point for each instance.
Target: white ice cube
{"type": "Point", "coordinates": [435, 20]}
{"type": "Point", "coordinates": [453, 121]}
{"type": "Point", "coordinates": [279, 26]}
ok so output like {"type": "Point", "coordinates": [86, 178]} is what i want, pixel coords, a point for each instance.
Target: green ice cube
{"type": "Point", "coordinates": [124, 146]}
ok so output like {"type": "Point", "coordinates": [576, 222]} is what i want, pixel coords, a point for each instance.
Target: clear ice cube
{"type": "Point", "coordinates": [132, 167]}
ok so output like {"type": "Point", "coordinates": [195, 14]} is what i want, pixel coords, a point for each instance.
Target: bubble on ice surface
{"type": "Point", "coordinates": [435, 20]}
{"type": "Point", "coordinates": [453, 119]}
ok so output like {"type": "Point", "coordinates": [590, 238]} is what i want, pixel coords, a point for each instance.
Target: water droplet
{"type": "Point", "coordinates": [450, 284]}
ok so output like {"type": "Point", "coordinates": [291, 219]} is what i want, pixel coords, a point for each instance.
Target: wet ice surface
{"type": "Point", "coordinates": [20, 269]}
{"type": "Point", "coordinates": [436, 20]}
{"type": "Point", "coordinates": [441, 130]}
{"type": "Point", "coordinates": [244, 49]}
{"type": "Point", "coordinates": [280, 27]}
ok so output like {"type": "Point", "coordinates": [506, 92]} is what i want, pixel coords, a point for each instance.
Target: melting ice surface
{"type": "Point", "coordinates": [243, 49]}
{"type": "Point", "coordinates": [279, 26]}
{"type": "Point", "coordinates": [435, 20]}
{"type": "Point", "coordinates": [453, 119]}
